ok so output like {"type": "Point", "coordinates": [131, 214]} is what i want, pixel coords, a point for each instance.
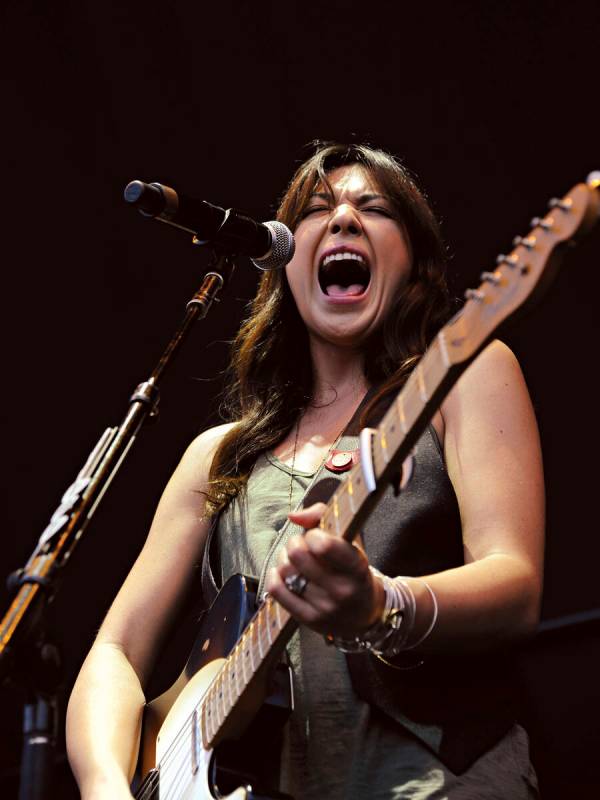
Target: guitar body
{"type": "Point", "coordinates": [172, 756]}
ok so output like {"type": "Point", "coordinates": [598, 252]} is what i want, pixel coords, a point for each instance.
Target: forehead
{"type": "Point", "coordinates": [350, 180]}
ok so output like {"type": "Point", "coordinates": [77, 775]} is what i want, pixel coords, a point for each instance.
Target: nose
{"type": "Point", "coordinates": [345, 219]}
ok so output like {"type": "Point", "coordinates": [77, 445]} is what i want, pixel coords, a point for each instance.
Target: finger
{"type": "Point", "coordinates": [308, 517]}
{"type": "Point", "coordinates": [334, 553]}
{"type": "Point", "coordinates": [299, 559]}
{"type": "Point", "coordinates": [298, 606]}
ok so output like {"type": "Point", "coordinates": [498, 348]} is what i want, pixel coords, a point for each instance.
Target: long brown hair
{"type": "Point", "coordinates": [271, 370]}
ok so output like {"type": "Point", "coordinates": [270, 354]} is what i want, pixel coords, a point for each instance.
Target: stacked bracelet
{"type": "Point", "coordinates": [390, 634]}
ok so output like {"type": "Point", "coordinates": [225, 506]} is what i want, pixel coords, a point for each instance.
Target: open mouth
{"type": "Point", "coordinates": [344, 274]}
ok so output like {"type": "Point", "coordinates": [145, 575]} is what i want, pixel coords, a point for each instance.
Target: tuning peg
{"type": "Point", "coordinates": [526, 241]}
{"type": "Point", "coordinates": [593, 179]}
{"type": "Point", "coordinates": [474, 294]}
{"type": "Point", "coordinates": [538, 222]}
{"type": "Point", "coordinates": [564, 205]}
{"type": "Point", "coordinates": [511, 260]}
{"type": "Point", "coordinates": [491, 277]}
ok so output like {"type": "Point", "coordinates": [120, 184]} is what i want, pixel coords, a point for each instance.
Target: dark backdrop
{"type": "Point", "coordinates": [491, 105]}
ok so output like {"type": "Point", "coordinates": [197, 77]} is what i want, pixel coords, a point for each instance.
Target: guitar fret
{"type": "Point", "coordinates": [242, 646]}
{"type": "Point", "coordinates": [336, 513]}
{"type": "Point", "coordinates": [256, 653]}
{"type": "Point", "coordinates": [235, 670]}
{"type": "Point", "coordinates": [266, 608]}
{"type": "Point", "coordinates": [204, 726]}
{"type": "Point", "coordinates": [345, 506]}
{"type": "Point", "coordinates": [350, 491]}
{"type": "Point", "coordinates": [383, 443]}
{"type": "Point", "coordinates": [221, 714]}
{"type": "Point", "coordinates": [261, 652]}
{"type": "Point", "coordinates": [249, 649]}
{"type": "Point", "coordinates": [211, 716]}
{"type": "Point", "coordinates": [401, 412]}
{"type": "Point", "coordinates": [225, 692]}
{"type": "Point", "coordinates": [326, 522]}
{"type": "Point", "coordinates": [393, 431]}
{"type": "Point", "coordinates": [421, 382]}
{"type": "Point", "coordinates": [232, 682]}
{"type": "Point", "coordinates": [195, 754]}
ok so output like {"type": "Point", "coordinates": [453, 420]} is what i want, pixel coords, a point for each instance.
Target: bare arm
{"type": "Point", "coordinates": [493, 458]}
{"type": "Point", "coordinates": [105, 708]}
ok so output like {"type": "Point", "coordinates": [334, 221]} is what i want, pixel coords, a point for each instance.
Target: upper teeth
{"type": "Point", "coordinates": [342, 256]}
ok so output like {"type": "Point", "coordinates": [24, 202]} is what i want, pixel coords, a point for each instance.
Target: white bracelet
{"type": "Point", "coordinates": [389, 635]}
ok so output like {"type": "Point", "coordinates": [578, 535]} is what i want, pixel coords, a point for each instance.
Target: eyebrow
{"type": "Point", "coordinates": [363, 198]}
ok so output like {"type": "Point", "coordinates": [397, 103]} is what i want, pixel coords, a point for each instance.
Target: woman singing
{"type": "Point", "coordinates": [400, 663]}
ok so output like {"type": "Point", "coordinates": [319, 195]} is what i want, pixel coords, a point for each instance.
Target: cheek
{"type": "Point", "coordinates": [296, 282]}
{"type": "Point", "coordinates": [400, 263]}
{"type": "Point", "coordinates": [299, 269]}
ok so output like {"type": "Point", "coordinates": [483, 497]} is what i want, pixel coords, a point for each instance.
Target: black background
{"type": "Point", "coordinates": [492, 106]}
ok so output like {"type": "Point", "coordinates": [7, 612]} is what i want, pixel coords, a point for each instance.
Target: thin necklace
{"type": "Point", "coordinates": [323, 460]}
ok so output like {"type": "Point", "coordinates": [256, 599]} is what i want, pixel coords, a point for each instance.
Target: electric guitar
{"type": "Point", "coordinates": [231, 667]}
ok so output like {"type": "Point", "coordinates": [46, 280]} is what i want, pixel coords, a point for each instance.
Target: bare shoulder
{"type": "Point", "coordinates": [493, 379]}
{"type": "Point", "coordinates": [185, 492]}
{"type": "Point", "coordinates": [200, 452]}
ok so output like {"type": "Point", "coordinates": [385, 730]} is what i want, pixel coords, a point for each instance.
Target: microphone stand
{"type": "Point", "coordinates": [27, 657]}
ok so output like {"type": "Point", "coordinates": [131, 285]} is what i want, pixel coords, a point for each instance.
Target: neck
{"type": "Point", "coordinates": [338, 373]}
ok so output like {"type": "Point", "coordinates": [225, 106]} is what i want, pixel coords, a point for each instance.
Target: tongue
{"type": "Point", "coordinates": [335, 290]}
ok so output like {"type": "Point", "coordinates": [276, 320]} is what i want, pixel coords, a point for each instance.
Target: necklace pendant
{"type": "Point", "coordinates": [341, 460]}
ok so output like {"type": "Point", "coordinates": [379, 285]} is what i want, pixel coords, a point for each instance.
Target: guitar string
{"type": "Point", "coordinates": [174, 750]}
{"type": "Point", "coordinates": [177, 790]}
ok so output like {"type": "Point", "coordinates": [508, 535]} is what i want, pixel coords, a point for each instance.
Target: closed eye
{"type": "Point", "coordinates": [314, 210]}
{"type": "Point", "coordinates": [377, 210]}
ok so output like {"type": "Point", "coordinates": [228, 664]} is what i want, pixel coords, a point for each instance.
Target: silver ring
{"type": "Point", "coordinates": [296, 584]}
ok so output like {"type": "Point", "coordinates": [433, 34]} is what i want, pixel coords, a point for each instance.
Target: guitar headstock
{"type": "Point", "coordinates": [522, 275]}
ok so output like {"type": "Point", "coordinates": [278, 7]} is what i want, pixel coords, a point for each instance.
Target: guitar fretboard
{"type": "Point", "coordinates": [266, 629]}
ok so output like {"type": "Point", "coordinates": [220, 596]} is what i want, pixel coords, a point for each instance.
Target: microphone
{"type": "Point", "coordinates": [270, 245]}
